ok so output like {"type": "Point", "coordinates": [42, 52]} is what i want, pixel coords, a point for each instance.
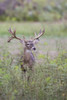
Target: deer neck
{"type": "Point", "coordinates": [28, 54]}
{"type": "Point", "coordinates": [27, 50]}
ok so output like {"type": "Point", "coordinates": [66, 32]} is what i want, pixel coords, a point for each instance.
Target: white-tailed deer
{"type": "Point", "coordinates": [29, 46]}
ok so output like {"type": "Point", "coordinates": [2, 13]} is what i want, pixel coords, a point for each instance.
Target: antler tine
{"type": "Point", "coordinates": [40, 31]}
{"type": "Point", "coordinates": [40, 34]}
{"type": "Point", "coordinates": [23, 37]}
{"type": "Point", "coordinates": [35, 34]}
{"type": "Point", "coordinates": [10, 31]}
{"type": "Point", "coordinates": [13, 33]}
{"type": "Point", "coordinates": [10, 39]}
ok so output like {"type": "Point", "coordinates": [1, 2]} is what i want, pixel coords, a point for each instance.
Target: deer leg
{"type": "Point", "coordinates": [31, 65]}
{"type": "Point", "coordinates": [23, 69]}
{"type": "Point", "coordinates": [22, 64]}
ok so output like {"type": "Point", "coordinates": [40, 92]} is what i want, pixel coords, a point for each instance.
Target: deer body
{"type": "Point", "coordinates": [29, 46]}
{"type": "Point", "coordinates": [28, 56]}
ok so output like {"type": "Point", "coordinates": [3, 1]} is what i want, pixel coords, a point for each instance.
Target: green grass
{"type": "Point", "coordinates": [48, 81]}
{"type": "Point", "coordinates": [28, 29]}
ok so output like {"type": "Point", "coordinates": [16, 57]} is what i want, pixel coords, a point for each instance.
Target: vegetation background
{"type": "Point", "coordinates": [48, 81]}
{"type": "Point", "coordinates": [33, 10]}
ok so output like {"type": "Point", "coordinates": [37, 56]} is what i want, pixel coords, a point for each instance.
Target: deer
{"type": "Point", "coordinates": [28, 57]}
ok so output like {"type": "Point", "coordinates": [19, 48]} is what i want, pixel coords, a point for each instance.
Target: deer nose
{"type": "Point", "coordinates": [34, 48]}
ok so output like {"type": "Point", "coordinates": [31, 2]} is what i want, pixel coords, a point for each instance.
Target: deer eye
{"type": "Point", "coordinates": [28, 44]}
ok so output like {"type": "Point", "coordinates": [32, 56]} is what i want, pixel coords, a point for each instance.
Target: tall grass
{"type": "Point", "coordinates": [48, 81]}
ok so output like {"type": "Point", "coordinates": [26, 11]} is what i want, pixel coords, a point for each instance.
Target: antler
{"type": "Point", "coordinates": [39, 35]}
{"type": "Point", "coordinates": [13, 33]}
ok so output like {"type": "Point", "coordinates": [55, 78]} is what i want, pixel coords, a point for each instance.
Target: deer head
{"type": "Point", "coordinates": [29, 44]}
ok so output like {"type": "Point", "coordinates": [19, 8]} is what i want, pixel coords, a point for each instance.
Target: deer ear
{"type": "Point", "coordinates": [36, 41]}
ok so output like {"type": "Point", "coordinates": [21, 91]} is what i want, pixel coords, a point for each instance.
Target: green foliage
{"type": "Point", "coordinates": [41, 10]}
{"type": "Point", "coordinates": [27, 29]}
{"type": "Point", "coordinates": [47, 81]}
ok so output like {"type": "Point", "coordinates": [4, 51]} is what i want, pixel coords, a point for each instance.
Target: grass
{"type": "Point", "coordinates": [48, 81]}
{"type": "Point", "coordinates": [58, 29]}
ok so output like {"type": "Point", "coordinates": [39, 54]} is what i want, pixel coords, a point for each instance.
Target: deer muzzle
{"type": "Point", "coordinates": [33, 48]}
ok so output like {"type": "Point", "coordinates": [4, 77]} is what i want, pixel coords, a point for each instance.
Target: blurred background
{"type": "Point", "coordinates": [33, 10]}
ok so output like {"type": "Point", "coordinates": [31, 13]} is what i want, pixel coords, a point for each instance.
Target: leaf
{"type": "Point", "coordinates": [48, 79]}
{"type": "Point", "coordinates": [41, 56]}
{"type": "Point", "coordinates": [16, 67]}
{"type": "Point", "coordinates": [45, 43]}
